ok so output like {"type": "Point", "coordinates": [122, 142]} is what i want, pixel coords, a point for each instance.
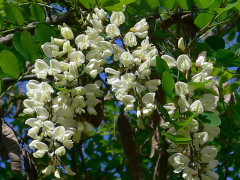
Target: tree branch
{"type": "Point", "coordinates": [83, 163]}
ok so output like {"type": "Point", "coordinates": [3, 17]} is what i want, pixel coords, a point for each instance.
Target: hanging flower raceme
{"type": "Point", "coordinates": [60, 108]}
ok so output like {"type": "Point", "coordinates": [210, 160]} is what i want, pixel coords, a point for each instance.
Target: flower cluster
{"type": "Point", "coordinates": [194, 159]}
{"type": "Point", "coordinates": [71, 88]}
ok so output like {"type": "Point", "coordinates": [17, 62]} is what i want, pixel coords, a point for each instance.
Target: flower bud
{"type": "Point", "coordinates": [67, 33]}
{"type": "Point", "coordinates": [69, 171]}
{"type": "Point", "coordinates": [181, 44]}
{"type": "Point", "coordinates": [47, 170]}
{"type": "Point", "coordinates": [60, 151]}
{"type": "Point", "coordinates": [88, 128]}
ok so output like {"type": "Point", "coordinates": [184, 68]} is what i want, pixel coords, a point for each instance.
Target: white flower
{"type": "Point", "coordinates": [42, 113]}
{"type": "Point", "coordinates": [67, 33]}
{"type": "Point", "coordinates": [171, 62]}
{"type": "Point", "coordinates": [58, 133]}
{"type": "Point", "coordinates": [170, 107]}
{"type": "Point", "coordinates": [141, 28]}
{"type": "Point", "coordinates": [69, 171]}
{"type": "Point", "coordinates": [201, 59]}
{"type": "Point", "coordinates": [182, 89]}
{"type": "Point", "coordinates": [212, 132]}
{"type": "Point", "coordinates": [93, 68]}
{"type": "Point", "coordinates": [50, 49]}
{"type": "Point", "coordinates": [100, 13]}
{"type": "Point", "coordinates": [126, 59]}
{"type": "Point", "coordinates": [67, 47]}
{"type": "Point", "coordinates": [208, 101]}
{"type": "Point", "coordinates": [212, 164]}
{"type": "Point", "coordinates": [208, 153]}
{"type": "Point", "coordinates": [152, 85]}
{"type": "Point", "coordinates": [178, 161]}
{"type": "Point", "coordinates": [181, 44]}
{"type": "Point", "coordinates": [97, 24]}
{"type": "Point", "coordinates": [41, 69]}
{"type": "Point", "coordinates": [112, 30]}
{"type": "Point", "coordinates": [57, 41]}
{"type": "Point", "coordinates": [78, 57]}
{"type": "Point", "coordinates": [88, 128]}
{"type": "Point", "coordinates": [55, 67]}
{"type": "Point", "coordinates": [42, 149]}
{"type": "Point", "coordinates": [103, 49]}
{"type": "Point", "coordinates": [197, 106]}
{"type": "Point", "coordinates": [117, 18]}
{"type": "Point", "coordinates": [60, 151]}
{"type": "Point", "coordinates": [130, 39]}
{"type": "Point", "coordinates": [148, 100]}
{"type": "Point", "coordinates": [82, 41]}
{"type": "Point", "coordinates": [190, 174]}
{"type": "Point", "coordinates": [33, 122]}
{"type": "Point", "coordinates": [57, 174]}
{"type": "Point", "coordinates": [184, 63]}
{"type": "Point", "coordinates": [47, 170]}
{"type": "Point", "coordinates": [128, 101]}
{"type": "Point", "coordinates": [210, 176]}
{"type": "Point", "coordinates": [202, 137]}
{"type": "Point", "coordinates": [183, 104]}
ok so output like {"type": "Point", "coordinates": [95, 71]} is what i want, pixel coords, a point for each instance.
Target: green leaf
{"type": "Point", "coordinates": [168, 84]}
{"type": "Point", "coordinates": [25, 45]}
{"type": "Point", "coordinates": [183, 124]}
{"type": "Point", "coordinates": [9, 64]}
{"type": "Point", "coordinates": [88, 4]}
{"type": "Point", "coordinates": [161, 66]}
{"type": "Point", "coordinates": [210, 118]}
{"type": "Point", "coordinates": [166, 115]}
{"type": "Point", "coordinates": [202, 4]}
{"type": "Point", "coordinates": [230, 88]}
{"type": "Point", "coordinates": [178, 138]}
{"type": "Point", "coordinates": [227, 58]}
{"type": "Point", "coordinates": [38, 12]}
{"type": "Point", "coordinates": [167, 4]}
{"type": "Point", "coordinates": [228, 7]}
{"type": "Point", "coordinates": [185, 4]}
{"type": "Point", "coordinates": [29, 45]}
{"type": "Point", "coordinates": [215, 42]}
{"type": "Point", "coordinates": [150, 4]}
{"type": "Point", "coordinates": [18, 45]}
{"type": "Point", "coordinates": [119, 6]}
{"type": "Point", "coordinates": [44, 32]}
{"type": "Point", "coordinates": [13, 14]}
{"type": "Point", "coordinates": [196, 85]}
{"type": "Point", "coordinates": [105, 3]}
{"type": "Point", "coordinates": [203, 19]}
{"type": "Point", "coordinates": [226, 76]}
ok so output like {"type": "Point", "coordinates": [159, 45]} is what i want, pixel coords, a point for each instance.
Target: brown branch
{"type": "Point", "coordinates": [30, 27]}
{"type": "Point", "coordinates": [83, 163]}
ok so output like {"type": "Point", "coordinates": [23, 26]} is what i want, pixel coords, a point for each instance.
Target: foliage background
{"type": "Point", "coordinates": [211, 25]}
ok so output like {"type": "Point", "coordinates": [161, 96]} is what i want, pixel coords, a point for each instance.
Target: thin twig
{"type": "Point", "coordinates": [19, 79]}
